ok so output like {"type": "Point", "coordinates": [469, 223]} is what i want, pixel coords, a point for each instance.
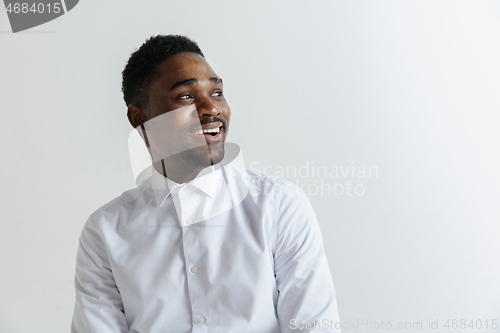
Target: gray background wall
{"type": "Point", "coordinates": [410, 88]}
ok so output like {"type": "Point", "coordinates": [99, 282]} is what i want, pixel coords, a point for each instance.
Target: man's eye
{"type": "Point", "coordinates": [217, 94]}
{"type": "Point", "coordinates": [185, 96]}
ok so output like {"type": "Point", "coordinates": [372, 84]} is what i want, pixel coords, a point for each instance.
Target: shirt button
{"type": "Point", "coordinates": [194, 269]}
{"type": "Point", "coordinates": [201, 320]}
{"type": "Point", "coordinates": [184, 189]}
{"type": "Point", "coordinates": [189, 221]}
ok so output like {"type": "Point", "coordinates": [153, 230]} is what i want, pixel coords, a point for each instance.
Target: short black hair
{"type": "Point", "coordinates": [142, 65]}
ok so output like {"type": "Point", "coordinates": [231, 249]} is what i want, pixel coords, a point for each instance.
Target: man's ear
{"type": "Point", "coordinates": [135, 115]}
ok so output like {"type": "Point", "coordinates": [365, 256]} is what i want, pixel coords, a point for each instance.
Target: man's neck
{"type": "Point", "coordinates": [176, 174]}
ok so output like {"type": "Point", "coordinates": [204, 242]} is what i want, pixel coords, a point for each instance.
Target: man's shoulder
{"type": "Point", "coordinates": [123, 204]}
{"type": "Point", "coordinates": [258, 177]}
{"type": "Point", "coordinates": [271, 184]}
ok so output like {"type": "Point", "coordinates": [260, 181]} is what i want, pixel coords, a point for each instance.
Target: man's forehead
{"type": "Point", "coordinates": [185, 66]}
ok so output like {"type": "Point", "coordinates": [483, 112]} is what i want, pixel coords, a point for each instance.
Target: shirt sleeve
{"type": "Point", "coordinates": [98, 306]}
{"type": "Point", "coordinates": [305, 286]}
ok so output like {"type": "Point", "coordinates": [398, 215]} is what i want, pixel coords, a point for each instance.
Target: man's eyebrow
{"type": "Point", "coordinates": [216, 80]}
{"type": "Point", "coordinates": [192, 81]}
{"type": "Point", "coordinates": [187, 82]}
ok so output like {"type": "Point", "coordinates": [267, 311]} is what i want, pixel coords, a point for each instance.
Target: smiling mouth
{"type": "Point", "coordinates": [211, 131]}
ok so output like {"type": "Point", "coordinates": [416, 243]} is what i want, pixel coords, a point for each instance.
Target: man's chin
{"type": "Point", "coordinates": [216, 152]}
{"type": "Point", "coordinates": [202, 157]}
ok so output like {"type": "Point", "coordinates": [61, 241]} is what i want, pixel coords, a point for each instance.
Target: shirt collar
{"type": "Point", "coordinates": [206, 181]}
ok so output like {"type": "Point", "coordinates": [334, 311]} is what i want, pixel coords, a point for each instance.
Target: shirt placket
{"type": "Point", "coordinates": [193, 265]}
{"type": "Point", "coordinates": [195, 269]}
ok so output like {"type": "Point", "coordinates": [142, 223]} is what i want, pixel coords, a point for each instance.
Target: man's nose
{"type": "Point", "coordinates": [206, 107]}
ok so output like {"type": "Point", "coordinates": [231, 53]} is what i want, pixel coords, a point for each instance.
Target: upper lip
{"type": "Point", "coordinates": [211, 125]}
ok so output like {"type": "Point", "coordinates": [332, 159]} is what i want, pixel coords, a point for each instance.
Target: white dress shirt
{"type": "Point", "coordinates": [204, 256]}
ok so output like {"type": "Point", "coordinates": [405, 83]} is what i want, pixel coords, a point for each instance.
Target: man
{"type": "Point", "coordinates": [203, 245]}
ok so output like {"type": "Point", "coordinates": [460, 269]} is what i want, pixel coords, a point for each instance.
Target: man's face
{"type": "Point", "coordinates": [187, 84]}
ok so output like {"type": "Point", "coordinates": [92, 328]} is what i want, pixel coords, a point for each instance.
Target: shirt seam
{"type": "Point", "coordinates": [101, 236]}
{"type": "Point", "coordinates": [276, 218]}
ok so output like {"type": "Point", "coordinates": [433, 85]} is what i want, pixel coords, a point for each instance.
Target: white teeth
{"type": "Point", "coordinates": [212, 130]}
